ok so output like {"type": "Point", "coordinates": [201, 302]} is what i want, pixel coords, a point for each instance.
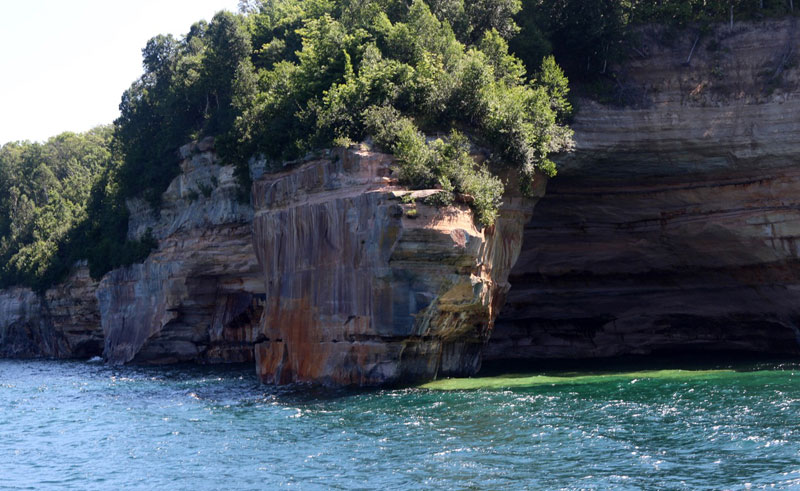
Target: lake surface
{"type": "Point", "coordinates": [79, 425]}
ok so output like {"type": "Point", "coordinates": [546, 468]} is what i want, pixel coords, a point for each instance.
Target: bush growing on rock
{"type": "Point", "coordinates": [445, 164]}
{"type": "Point", "coordinates": [292, 76]}
{"type": "Point", "coordinates": [281, 79]}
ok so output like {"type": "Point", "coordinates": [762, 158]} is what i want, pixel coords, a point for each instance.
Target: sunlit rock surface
{"type": "Point", "coordinates": [360, 289]}
{"type": "Point", "coordinates": [197, 297]}
{"type": "Point", "coordinates": [674, 226]}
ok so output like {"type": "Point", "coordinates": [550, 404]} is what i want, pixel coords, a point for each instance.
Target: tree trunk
{"type": "Point", "coordinates": [732, 16]}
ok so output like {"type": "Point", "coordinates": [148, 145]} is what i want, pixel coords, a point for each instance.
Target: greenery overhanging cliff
{"type": "Point", "coordinates": [360, 280]}
{"type": "Point", "coordinates": [286, 77]}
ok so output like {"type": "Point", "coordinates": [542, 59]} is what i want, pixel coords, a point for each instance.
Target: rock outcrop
{"type": "Point", "coordinates": [335, 279]}
{"type": "Point", "coordinates": [64, 322]}
{"type": "Point", "coordinates": [198, 296]}
{"type": "Point", "coordinates": [675, 226]}
{"type": "Point", "coordinates": [360, 289]}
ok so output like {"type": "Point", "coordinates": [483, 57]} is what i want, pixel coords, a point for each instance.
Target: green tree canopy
{"type": "Point", "coordinates": [587, 37]}
{"type": "Point", "coordinates": [427, 80]}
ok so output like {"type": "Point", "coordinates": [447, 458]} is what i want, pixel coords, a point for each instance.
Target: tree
{"type": "Point", "coordinates": [228, 52]}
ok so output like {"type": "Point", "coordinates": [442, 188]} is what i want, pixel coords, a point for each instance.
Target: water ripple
{"type": "Point", "coordinates": [90, 426]}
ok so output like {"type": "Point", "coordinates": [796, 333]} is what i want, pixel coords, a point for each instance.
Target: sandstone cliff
{"type": "Point", "coordinates": [62, 323]}
{"type": "Point", "coordinates": [674, 226]}
{"type": "Point", "coordinates": [197, 296]}
{"type": "Point", "coordinates": [334, 279]}
{"type": "Point", "coordinates": [361, 290]}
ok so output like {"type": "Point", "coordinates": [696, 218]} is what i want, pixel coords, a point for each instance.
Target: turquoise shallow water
{"type": "Point", "coordinates": [77, 425]}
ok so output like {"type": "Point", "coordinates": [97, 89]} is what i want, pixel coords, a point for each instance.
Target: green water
{"type": "Point", "coordinates": [88, 426]}
{"type": "Point", "coordinates": [511, 381]}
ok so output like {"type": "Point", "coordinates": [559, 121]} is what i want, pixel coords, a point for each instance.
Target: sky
{"type": "Point", "coordinates": [64, 64]}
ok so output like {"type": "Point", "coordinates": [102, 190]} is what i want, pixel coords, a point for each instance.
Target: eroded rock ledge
{"type": "Point", "coordinates": [362, 292]}
{"type": "Point", "coordinates": [675, 226]}
{"type": "Point", "coordinates": [197, 297]}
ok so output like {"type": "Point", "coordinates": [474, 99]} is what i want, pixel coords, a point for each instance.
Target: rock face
{"type": "Point", "coordinates": [360, 289]}
{"type": "Point", "coordinates": [198, 297]}
{"type": "Point", "coordinates": [335, 280]}
{"type": "Point", "coordinates": [62, 323]}
{"type": "Point", "coordinates": [675, 226]}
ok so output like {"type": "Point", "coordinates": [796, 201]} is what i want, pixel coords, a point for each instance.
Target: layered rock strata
{"type": "Point", "coordinates": [339, 279]}
{"type": "Point", "coordinates": [365, 289]}
{"type": "Point", "coordinates": [64, 322]}
{"type": "Point", "coordinates": [674, 226]}
{"type": "Point", "coordinates": [198, 297]}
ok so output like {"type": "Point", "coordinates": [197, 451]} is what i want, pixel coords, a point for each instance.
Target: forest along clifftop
{"type": "Point", "coordinates": [674, 225]}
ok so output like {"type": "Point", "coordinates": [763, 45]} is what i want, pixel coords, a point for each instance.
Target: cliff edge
{"type": "Point", "coordinates": [366, 284]}
{"type": "Point", "coordinates": [674, 226]}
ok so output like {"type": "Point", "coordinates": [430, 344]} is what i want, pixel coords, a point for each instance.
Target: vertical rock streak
{"type": "Point", "coordinates": [197, 297]}
{"type": "Point", "coordinates": [358, 292]}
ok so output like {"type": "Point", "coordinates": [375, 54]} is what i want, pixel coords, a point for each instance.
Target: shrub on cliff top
{"type": "Point", "coordinates": [286, 77]}
{"type": "Point", "coordinates": [339, 70]}
{"type": "Point", "coordinates": [445, 164]}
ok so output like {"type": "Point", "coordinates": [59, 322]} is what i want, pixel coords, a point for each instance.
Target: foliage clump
{"type": "Point", "coordinates": [59, 205]}
{"type": "Point", "coordinates": [444, 164]}
{"type": "Point", "coordinates": [292, 76]}
{"type": "Point", "coordinates": [589, 37]}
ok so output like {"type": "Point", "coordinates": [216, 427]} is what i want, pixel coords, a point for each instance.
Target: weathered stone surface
{"type": "Point", "coordinates": [674, 226]}
{"type": "Point", "coordinates": [343, 285]}
{"type": "Point", "coordinates": [62, 323]}
{"type": "Point", "coordinates": [198, 297]}
{"type": "Point", "coordinates": [72, 311]}
{"type": "Point", "coordinates": [359, 292]}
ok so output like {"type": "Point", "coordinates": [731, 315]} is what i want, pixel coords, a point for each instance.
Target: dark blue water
{"type": "Point", "coordinates": [87, 426]}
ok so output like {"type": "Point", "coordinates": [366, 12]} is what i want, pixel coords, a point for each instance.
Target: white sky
{"type": "Point", "coordinates": [65, 63]}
